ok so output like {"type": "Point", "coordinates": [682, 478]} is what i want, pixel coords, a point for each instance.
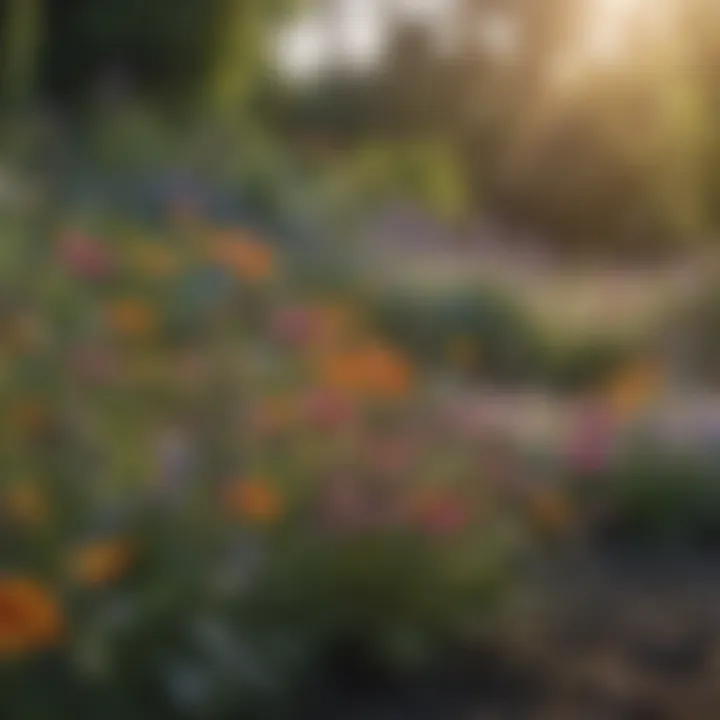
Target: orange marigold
{"type": "Point", "coordinates": [30, 617]}
{"type": "Point", "coordinates": [101, 563]}
{"type": "Point", "coordinates": [633, 388]}
{"type": "Point", "coordinates": [256, 500]}
{"type": "Point", "coordinates": [133, 318]}
{"type": "Point", "coordinates": [373, 370]}
{"type": "Point", "coordinates": [248, 258]}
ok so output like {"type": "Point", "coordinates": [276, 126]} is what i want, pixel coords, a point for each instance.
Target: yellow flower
{"type": "Point", "coordinates": [245, 256]}
{"type": "Point", "coordinates": [133, 318]}
{"type": "Point", "coordinates": [26, 504]}
{"type": "Point", "coordinates": [101, 563]}
{"type": "Point", "coordinates": [256, 500]}
{"type": "Point", "coordinates": [30, 617]}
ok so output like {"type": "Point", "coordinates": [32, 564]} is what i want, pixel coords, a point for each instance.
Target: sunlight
{"type": "Point", "coordinates": [615, 27]}
{"type": "Point", "coordinates": [611, 33]}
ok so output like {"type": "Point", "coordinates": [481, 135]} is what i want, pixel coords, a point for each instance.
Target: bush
{"type": "Point", "coordinates": [654, 495]}
{"type": "Point", "coordinates": [507, 344]}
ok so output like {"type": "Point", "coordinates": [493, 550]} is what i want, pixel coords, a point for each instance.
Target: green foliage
{"type": "Point", "coordinates": [509, 345]}
{"type": "Point", "coordinates": [652, 494]}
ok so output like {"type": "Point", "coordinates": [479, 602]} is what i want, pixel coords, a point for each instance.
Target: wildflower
{"type": "Point", "coordinates": [441, 513]}
{"type": "Point", "coordinates": [392, 455]}
{"type": "Point", "coordinates": [592, 441]}
{"type": "Point", "coordinates": [373, 370]}
{"type": "Point", "coordinates": [85, 257]}
{"type": "Point", "coordinates": [386, 373]}
{"type": "Point", "coordinates": [133, 318]}
{"type": "Point", "coordinates": [255, 500]}
{"type": "Point", "coordinates": [346, 506]}
{"type": "Point", "coordinates": [634, 388]}
{"type": "Point", "coordinates": [247, 258]}
{"type": "Point", "coordinates": [101, 563]}
{"type": "Point", "coordinates": [327, 409]}
{"type": "Point", "coordinates": [30, 617]}
{"type": "Point", "coordinates": [294, 326]}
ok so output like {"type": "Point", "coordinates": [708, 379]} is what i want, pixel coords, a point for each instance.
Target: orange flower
{"type": "Point", "coordinates": [26, 504]}
{"type": "Point", "coordinates": [30, 618]}
{"type": "Point", "coordinates": [631, 390]}
{"type": "Point", "coordinates": [386, 373]}
{"type": "Point", "coordinates": [101, 563]}
{"type": "Point", "coordinates": [133, 318]}
{"type": "Point", "coordinates": [255, 500]}
{"type": "Point", "coordinates": [248, 258]}
{"type": "Point", "coordinates": [373, 370]}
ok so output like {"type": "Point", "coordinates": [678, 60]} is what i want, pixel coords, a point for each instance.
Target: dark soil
{"type": "Point", "coordinates": [624, 635]}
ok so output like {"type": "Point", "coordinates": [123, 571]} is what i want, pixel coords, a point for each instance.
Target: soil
{"type": "Point", "coordinates": [603, 635]}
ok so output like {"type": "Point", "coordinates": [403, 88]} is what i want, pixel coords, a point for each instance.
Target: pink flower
{"type": "Point", "coordinates": [95, 364]}
{"type": "Point", "coordinates": [444, 515]}
{"type": "Point", "coordinates": [293, 326]}
{"type": "Point", "coordinates": [327, 409]}
{"type": "Point", "coordinates": [592, 443]}
{"type": "Point", "coordinates": [392, 455]}
{"type": "Point", "coordinates": [85, 257]}
{"type": "Point", "coordinates": [346, 508]}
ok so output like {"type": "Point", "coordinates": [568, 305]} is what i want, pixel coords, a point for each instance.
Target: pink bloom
{"type": "Point", "coordinates": [592, 443]}
{"type": "Point", "coordinates": [444, 515]}
{"type": "Point", "coordinates": [95, 364]}
{"type": "Point", "coordinates": [392, 455]}
{"type": "Point", "coordinates": [293, 326]}
{"type": "Point", "coordinates": [85, 257]}
{"type": "Point", "coordinates": [327, 409]}
{"type": "Point", "coordinates": [346, 508]}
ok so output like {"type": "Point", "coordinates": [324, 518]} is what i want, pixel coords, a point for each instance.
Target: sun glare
{"type": "Point", "coordinates": [611, 33]}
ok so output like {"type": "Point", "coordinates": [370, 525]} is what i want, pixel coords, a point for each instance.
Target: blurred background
{"type": "Point", "coordinates": [359, 359]}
